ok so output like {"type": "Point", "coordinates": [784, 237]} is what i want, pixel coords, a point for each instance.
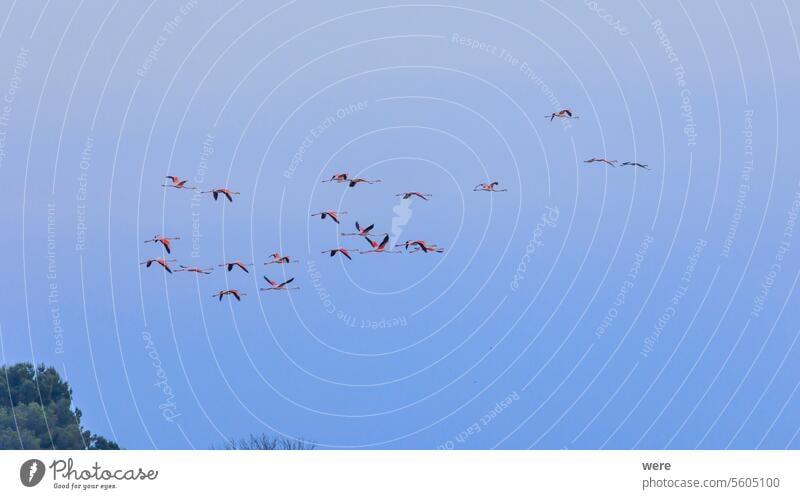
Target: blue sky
{"type": "Point", "coordinates": [586, 307]}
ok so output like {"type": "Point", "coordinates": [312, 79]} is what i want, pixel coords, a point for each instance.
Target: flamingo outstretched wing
{"type": "Point", "coordinates": [383, 243]}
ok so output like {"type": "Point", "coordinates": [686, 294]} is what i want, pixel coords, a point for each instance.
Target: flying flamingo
{"type": "Point", "coordinates": [357, 180]}
{"type": "Point", "coordinates": [564, 113]}
{"type": "Point", "coordinates": [221, 190]}
{"type": "Point", "coordinates": [276, 286]}
{"type": "Point", "coordinates": [430, 247]}
{"type": "Point", "coordinates": [334, 215]}
{"type": "Point", "coordinates": [177, 183]}
{"type": "Point", "coordinates": [160, 261]}
{"type": "Point", "coordinates": [609, 162]}
{"type": "Point", "coordinates": [362, 231]}
{"type": "Point", "coordinates": [420, 195]}
{"type": "Point", "coordinates": [278, 258]}
{"type": "Point", "coordinates": [236, 263]}
{"type": "Point", "coordinates": [378, 248]}
{"type": "Point", "coordinates": [338, 177]}
{"type": "Point", "coordinates": [233, 292]}
{"type": "Point", "coordinates": [633, 163]}
{"type": "Point", "coordinates": [163, 240]}
{"type": "Point", "coordinates": [343, 251]}
{"type": "Point", "coordinates": [434, 249]}
{"type": "Point", "coordinates": [421, 246]}
{"type": "Point", "coordinates": [489, 187]}
{"type": "Point", "coordinates": [195, 269]}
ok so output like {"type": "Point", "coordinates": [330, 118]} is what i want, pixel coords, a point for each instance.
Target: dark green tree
{"type": "Point", "coordinates": [36, 412]}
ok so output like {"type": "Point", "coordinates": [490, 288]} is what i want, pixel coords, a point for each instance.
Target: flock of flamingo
{"type": "Point", "coordinates": [409, 246]}
{"type": "Point", "coordinates": [567, 114]}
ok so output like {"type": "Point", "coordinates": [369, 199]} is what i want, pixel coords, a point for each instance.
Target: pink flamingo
{"type": "Point", "coordinates": [420, 195]}
{"type": "Point", "coordinates": [177, 183]}
{"type": "Point", "coordinates": [278, 258]}
{"type": "Point", "coordinates": [195, 269]}
{"type": "Point", "coordinates": [362, 231]}
{"type": "Point", "coordinates": [609, 162]}
{"type": "Point", "coordinates": [356, 181]}
{"type": "Point", "coordinates": [337, 177]}
{"type": "Point", "coordinates": [236, 263]}
{"type": "Point", "coordinates": [334, 215]}
{"type": "Point", "coordinates": [221, 190]}
{"type": "Point", "coordinates": [564, 113]}
{"type": "Point", "coordinates": [378, 248]}
{"type": "Point", "coordinates": [163, 240]}
{"type": "Point", "coordinates": [276, 286]}
{"type": "Point", "coordinates": [233, 292]}
{"type": "Point", "coordinates": [343, 251]}
{"type": "Point", "coordinates": [160, 261]}
{"type": "Point", "coordinates": [421, 246]}
{"type": "Point", "coordinates": [491, 187]}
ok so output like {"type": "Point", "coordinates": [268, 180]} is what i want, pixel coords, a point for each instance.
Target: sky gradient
{"type": "Point", "coordinates": [586, 307]}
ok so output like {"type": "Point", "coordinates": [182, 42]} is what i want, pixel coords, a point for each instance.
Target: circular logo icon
{"type": "Point", "coordinates": [31, 472]}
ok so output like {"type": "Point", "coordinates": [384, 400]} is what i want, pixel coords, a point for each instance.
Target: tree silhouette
{"type": "Point", "coordinates": [266, 442]}
{"type": "Point", "coordinates": [36, 412]}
